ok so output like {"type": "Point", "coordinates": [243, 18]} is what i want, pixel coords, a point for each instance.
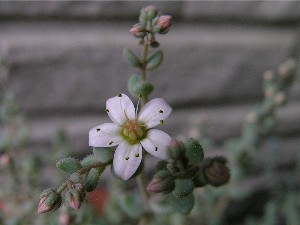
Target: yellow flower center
{"type": "Point", "coordinates": [133, 131]}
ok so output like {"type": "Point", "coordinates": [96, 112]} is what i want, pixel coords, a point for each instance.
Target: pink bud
{"type": "Point", "coordinates": [134, 30]}
{"type": "Point", "coordinates": [74, 199]}
{"type": "Point", "coordinates": [43, 208]}
{"type": "Point", "coordinates": [164, 22]}
{"type": "Point", "coordinates": [64, 219]}
{"type": "Point", "coordinates": [154, 186]}
{"type": "Point", "coordinates": [5, 160]}
{"type": "Point", "coordinates": [150, 8]}
{"type": "Point", "coordinates": [138, 30]}
{"type": "Point", "coordinates": [75, 204]}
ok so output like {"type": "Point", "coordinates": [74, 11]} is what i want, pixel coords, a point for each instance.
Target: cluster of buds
{"type": "Point", "coordinates": [277, 82]}
{"type": "Point", "coordinates": [275, 88]}
{"type": "Point", "coordinates": [150, 23]}
{"type": "Point", "coordinates": [186, 161]}
{"type": "Point", "coordinates": [186, 170]}
{"type": "Point", "coordinates": [50, 200]}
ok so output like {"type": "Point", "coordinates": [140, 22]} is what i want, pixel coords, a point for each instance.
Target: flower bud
{"type": "Point", "coordinates": [49, 200]}
{"type": "Point", "coordinates": [138, 30]}
{"type": "Point", "coordinates": [73, 197]}
{"type": "Point", "coordinates": [175, 149]}
{"type": "Point", "coordinates": [216, 171]}
{"type": "Point", "coordinates": [163, 24]}
{"type": "Point", "coordinates": [5, 160]}
{"type": "Point", "coordinates": [162, 182]}
{"type": "Point", "coordinates": [151, 12]}
{"type": "Point", "coordinates": [64, 219]}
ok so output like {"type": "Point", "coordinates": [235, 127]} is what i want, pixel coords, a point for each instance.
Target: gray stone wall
{"type": "Point", "coordinates": [65, 60]}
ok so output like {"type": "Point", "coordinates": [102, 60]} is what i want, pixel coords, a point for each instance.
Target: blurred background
{"type": "Point", "coordinates": [63, 60]}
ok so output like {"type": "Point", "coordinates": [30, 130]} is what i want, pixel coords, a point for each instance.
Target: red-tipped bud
{"type": "Point", "coordinates": [138, 30]}
{"type": "Point", "coordinates": [74, 199]}
{"type": "Point", "coordinates": [64, 219]}
{"type": "Point", "coordinates": [49, 200]}
{"type": "Point", "coordinates": [175, 149]}
{"type": "Point", "coordinates": [43, 208]}
{"type": "Point", "coordinates": [162, 182]}
{"type": "Point", "coordinates": [5, 160]}
{"type": "Point", "coordinates": [163, 24]}
{"type": "Point", "coordinates": [151, 11]}
{"type": "Point", "coordinates": [217, 173]}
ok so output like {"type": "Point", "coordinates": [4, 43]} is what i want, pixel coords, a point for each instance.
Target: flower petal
{"type": "Point", "coordinates": [154, 112]}
{"type": "Point", "coordinates": [120, 109]}
{"type": "Point", "coordinates": [156, 143]}
{"type": "Point", "coordinates": [105, 135]}
{"type": "Point", "coordinates": [127, 159]}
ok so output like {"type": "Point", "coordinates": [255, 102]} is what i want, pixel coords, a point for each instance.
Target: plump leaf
{"type": "Point", "coordinates": [194, 151]}
{"type": "Point", "coordinates": [103, 155]}
{"type": "Point", "coordinates": [154, 60]}
{"type": "Point", "coordinates": [92, 180]}
{"type": "Point", "coordinates": [137, 87]}
{"type": "Point", "coordinates": [68, 165]}
{"type": "Point", "coordinates": [88, 160]}
{"type": "Point", "coordinates": [183, 205]}
{"type": "Point", "coordinates": [131, 58]}
{"type": "Point", "coordinates": [183, 187]}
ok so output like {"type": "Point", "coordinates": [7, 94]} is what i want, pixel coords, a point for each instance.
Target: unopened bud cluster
{"type": "Point", "coordinates": [186, 170]}
{"type": "Point", "coordinates": [150, 23]}
{"type": "Point", "coordinates": [275, 87]}
{"type": "Point", "coordinates": [84, 177]}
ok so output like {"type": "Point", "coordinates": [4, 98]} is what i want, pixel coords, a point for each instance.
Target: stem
{"type": "Point", "coordinates": [143, 190]}
{"type": "Point", "coordinates": [144, 99]}
{"type": "Point", "coordinates": [82, 171]}
{"type": "Point", "coordinates": [141, 178]}
{"type": "Point", "coordinates": [144, 59]}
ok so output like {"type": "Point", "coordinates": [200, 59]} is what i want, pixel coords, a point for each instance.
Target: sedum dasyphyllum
{"type": "Point", "coordinates": [131, 132]}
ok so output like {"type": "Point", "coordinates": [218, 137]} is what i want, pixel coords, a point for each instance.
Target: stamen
{"type": "Point", "coordinates": [98, 129]}
{"type": "Point", "coordinates": [156, 148]}
{"type": "Point", "coordinates": [137, 155]}
{"type": "Point", "coordinates": [161, 111]}
{"type": "Point", "coordinates": [106, 110]}
{"type": "Point", "coordinates": [119, 95]}
{"type": "Point", "coordinates": [137, 106]}
{"type": "Point", "coordinates": [127, 158]}
{"type": "Point", "coordinates": [110, 143]}
{"type": "Point", "coordinates": [161, 122]}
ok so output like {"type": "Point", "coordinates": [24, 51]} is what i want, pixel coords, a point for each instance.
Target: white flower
{"type": "Point", "coordinates": [132, 132]}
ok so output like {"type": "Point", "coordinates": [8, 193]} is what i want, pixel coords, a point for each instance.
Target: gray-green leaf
{"type": "Point", "coordinates": [68, 165]}
{"type": "Point", "coordinates": [154, 60]}
{"type": "Point", "coordinates": [131, 58]}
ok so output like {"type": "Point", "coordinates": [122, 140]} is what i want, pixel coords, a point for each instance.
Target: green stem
{"type": "Point", "coordinates": [144, 99]}
{"type": "Point", "coordinates": [143, 190]}
{"type": "Point", "coordinates": [80, 172]}
{"type": "Point", "coordinates": [141, 178]}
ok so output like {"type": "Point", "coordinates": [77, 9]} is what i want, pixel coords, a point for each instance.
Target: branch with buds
{"type": "Point", "coordinates": [126, 141]}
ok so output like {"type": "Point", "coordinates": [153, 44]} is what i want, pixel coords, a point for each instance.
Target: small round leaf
{"type": "Point", "coordinates": [68, 165]}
